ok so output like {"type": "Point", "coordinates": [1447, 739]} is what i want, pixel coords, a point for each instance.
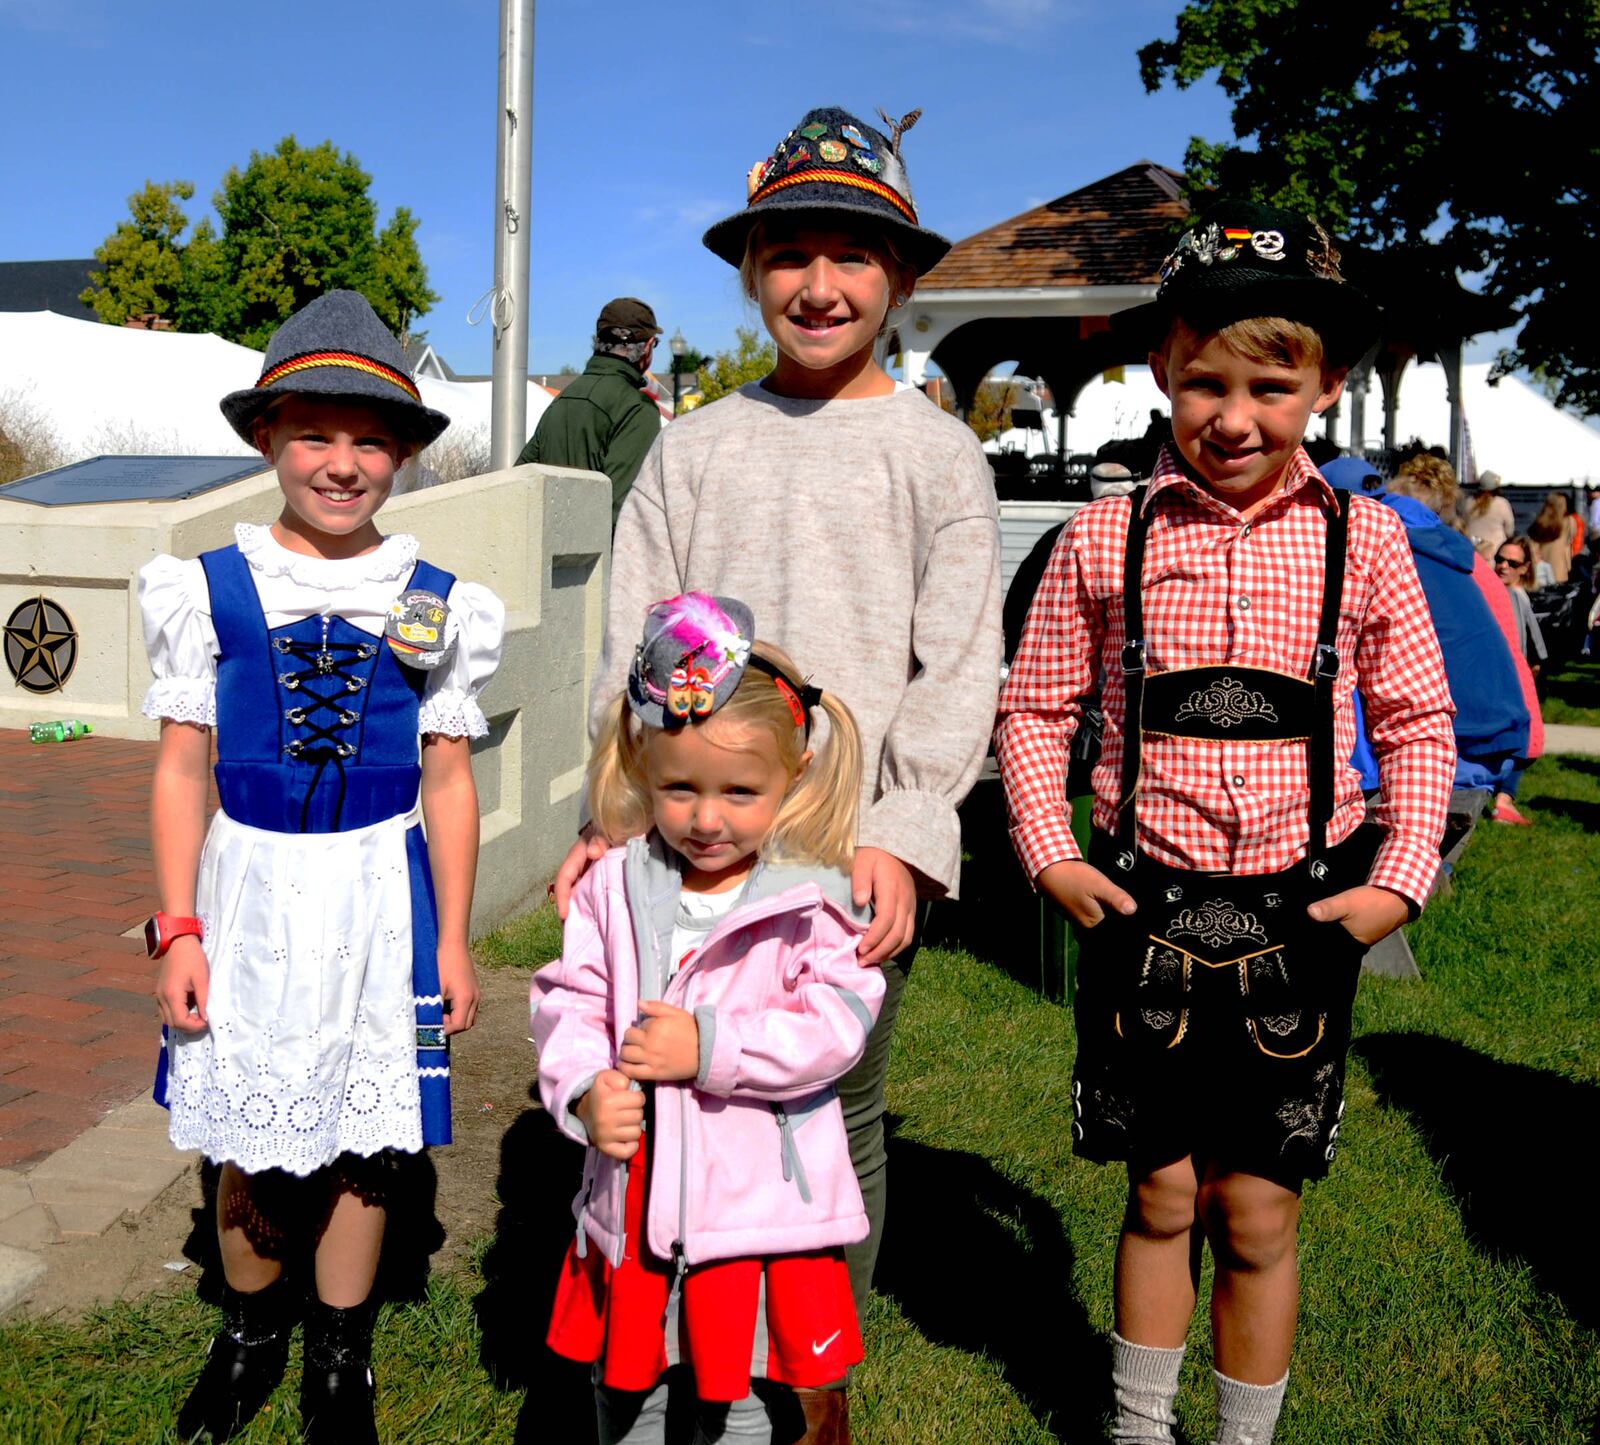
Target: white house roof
{"type": "Point", "coordinates": [113, 389]}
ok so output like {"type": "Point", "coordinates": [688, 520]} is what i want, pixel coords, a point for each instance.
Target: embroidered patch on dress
{"type": "Point", "coordinates": [430, 1036]}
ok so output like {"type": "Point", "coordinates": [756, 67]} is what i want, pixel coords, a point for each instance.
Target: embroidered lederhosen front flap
{"type": "Point", "coordinates": [1235, 948]}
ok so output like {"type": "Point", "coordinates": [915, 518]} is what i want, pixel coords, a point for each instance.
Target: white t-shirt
{"type": "Point", "coordinates": [698, 914]}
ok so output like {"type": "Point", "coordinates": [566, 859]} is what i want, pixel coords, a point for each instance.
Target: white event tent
{"type": "Point", "coordinates": [1515, 431]}
{"type": "Point", "coordinates": [110, 389]}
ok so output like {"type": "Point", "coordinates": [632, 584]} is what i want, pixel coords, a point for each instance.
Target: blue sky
{"type": "Point", "coordinates": [645, 120]}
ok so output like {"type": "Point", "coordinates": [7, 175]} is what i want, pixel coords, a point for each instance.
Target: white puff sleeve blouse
{"type": "Point", "coordinates": [182, 644]}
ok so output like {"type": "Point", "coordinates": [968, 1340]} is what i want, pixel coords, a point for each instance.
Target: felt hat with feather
{"type": "Point", "coordinates": [834, 164]}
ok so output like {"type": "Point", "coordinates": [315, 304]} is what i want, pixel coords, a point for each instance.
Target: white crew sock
{"type": "Point", "coordinates": [1247, 1414]}
{"type": "Point", "coordinates": [1144, 1379]}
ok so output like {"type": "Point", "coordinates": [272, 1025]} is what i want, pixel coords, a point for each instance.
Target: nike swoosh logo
{"type": "Point", "coordinates": [818, 1346]}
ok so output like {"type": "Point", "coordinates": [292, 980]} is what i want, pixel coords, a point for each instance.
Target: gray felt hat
{"type": "Point", "coordinates": [335, 346]}
{"type": "Point", "coordinates": [694, 650]}
{"type": "Point", "coordinates": [834, 164]}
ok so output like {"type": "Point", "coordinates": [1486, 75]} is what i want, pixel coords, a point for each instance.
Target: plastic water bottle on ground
{"type": "Point", "coordinates": [58, 732]}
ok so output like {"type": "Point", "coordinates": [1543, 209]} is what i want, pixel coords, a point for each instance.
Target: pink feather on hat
{"type": "Point", "coordinates": [694, 619]}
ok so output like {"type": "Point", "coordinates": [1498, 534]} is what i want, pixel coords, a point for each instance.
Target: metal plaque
{"type": "Point", "coordinates": [131, 479]}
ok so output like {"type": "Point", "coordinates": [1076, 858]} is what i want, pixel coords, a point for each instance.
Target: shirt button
{"type": "Point", "coordinates": [1238, 780]}
{"type": "Point", "coordinates": [1246, 531]}
{"type": "Point", "coordinates": [1244, 602]}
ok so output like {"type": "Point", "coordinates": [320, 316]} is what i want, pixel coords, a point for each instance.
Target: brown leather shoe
{"type": "Point", "coordinates": [827, 1417]}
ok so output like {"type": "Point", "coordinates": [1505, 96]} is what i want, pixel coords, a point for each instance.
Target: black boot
{"type": "Point", "coordinates": [243, 1365]}
{"type": "Point", "coordinates": [336, 1385]}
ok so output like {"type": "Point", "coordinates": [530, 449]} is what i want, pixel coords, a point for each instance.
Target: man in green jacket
{"type": "Point", "coordinates": [603, 422]}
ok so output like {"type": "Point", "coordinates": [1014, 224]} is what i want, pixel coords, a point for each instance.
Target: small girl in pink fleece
{"type": "Point", "coordinates": [707, 998]}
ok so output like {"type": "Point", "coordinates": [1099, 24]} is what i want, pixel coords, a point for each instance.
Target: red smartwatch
{"type": "Point", "coordinates": [160, 931]}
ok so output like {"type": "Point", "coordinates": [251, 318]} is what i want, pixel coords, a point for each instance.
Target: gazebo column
{"type": "Point", "coordinates": [1450, 359]}
{"type": "Point", "coordinates": [1392, 362]}
{"type": "Point", "coordinates": [1356, 389]}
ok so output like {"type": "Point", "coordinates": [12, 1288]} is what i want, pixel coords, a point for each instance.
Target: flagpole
{"type": "Point", "coordinates": [508, 417]}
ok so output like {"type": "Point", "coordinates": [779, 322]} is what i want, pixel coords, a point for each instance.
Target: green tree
{"type": "Point", "coordinates": [295, 222]}
{"type": "Point", "coordinates": [399, 289]}
{"type": "Point", "coordinates": [750, 360]}
{"type": "Point", "coordinates": [143, 258]}
{"type": "Point", "coordinates": [1466, 126]}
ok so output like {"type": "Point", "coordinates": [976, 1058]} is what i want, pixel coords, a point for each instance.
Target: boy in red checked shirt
{"type": "Point", "coordinates": [1225, 613]}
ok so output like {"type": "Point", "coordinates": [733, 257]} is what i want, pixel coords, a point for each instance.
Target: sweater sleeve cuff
{"type": "Point", "coordinates": [1044, 839]}
{"type": "Point", "coordinates": [1407, 866]}
{"type": "Point", "coordinates": [720, 1048]}
{"type": "Point", "coordinates": [921, 830]}
{"type": "Point", "coordinates": [566, 1116]}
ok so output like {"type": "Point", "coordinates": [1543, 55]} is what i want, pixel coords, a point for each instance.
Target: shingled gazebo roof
{"type": "Point", "coordinates": [1114, 232]}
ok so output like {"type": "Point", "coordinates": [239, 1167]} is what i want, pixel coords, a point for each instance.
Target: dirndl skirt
{"type": "Point", "coordinates": [312, 1048]}
{"type": "Point", "coordinates": [789, 1318]}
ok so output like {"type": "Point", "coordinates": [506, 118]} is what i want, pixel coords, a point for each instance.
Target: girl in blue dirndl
{"type": "Point", "coordinates": [313, 940]}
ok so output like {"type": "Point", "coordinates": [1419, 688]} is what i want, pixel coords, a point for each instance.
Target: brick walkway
{"type": "Point", "coordinates": [78, 1026]}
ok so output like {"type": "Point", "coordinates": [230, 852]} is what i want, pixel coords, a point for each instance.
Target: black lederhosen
{"type": "Point", "coordinates": [1214, 1022]}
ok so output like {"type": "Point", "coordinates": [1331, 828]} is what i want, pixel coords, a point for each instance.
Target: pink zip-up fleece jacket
{"type": "Point", "coordinates": [750, 1156]}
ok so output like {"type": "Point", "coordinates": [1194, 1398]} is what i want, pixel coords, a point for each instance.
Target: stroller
{"type": "Point", "coordinates": [1563, 613]}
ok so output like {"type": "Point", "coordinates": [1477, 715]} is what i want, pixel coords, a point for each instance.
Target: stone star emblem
{"type": "Point", "coordinates": [41, 645]}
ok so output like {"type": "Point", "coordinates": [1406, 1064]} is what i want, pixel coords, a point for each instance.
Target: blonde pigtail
{"type": "Point", "coordinates": [619, 803]}
{"type": "Point", "coordinates": [817, 822]}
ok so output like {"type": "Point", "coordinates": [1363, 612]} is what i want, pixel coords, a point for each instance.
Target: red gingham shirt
{"type": "Point", "coordinates": [1218, 589]}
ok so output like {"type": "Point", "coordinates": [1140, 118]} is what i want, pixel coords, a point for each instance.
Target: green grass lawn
{"type": "Point", "coordinates": [1451, 1292]}
{"type": "Point", "coordinates": [1572, 694]}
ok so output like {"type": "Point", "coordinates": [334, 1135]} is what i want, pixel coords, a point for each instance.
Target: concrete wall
{"type": "Point", "coordinates": [539, 536]}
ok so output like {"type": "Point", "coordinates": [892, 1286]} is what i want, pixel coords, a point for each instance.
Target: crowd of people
{"type": "Point", "coordinates": [797, 688]}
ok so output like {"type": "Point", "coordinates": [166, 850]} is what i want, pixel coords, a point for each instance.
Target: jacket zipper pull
{"type": "Point", "coordinates": [680, 1267]}
{"type": "Point", "coordinates": [794, 1171]}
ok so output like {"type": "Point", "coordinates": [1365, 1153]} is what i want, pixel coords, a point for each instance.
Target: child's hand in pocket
{"type": "Point", "coordinates": [1084, 893]}
{"type": "Point", "coordinates": [182, 986]}
{"type": "Point", "coordinates": [664, 1045]}
{"type": "Point", "coordinates": [1368, 914]}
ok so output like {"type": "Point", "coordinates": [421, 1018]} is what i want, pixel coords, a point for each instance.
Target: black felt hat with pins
{"type": "Point", "coordinates": [1240, 260]}
{"type": "Point", "coordinates": [834, 164]}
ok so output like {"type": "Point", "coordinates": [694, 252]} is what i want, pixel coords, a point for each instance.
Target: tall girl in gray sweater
{"type": "Point", "coordinates": [859, 522]}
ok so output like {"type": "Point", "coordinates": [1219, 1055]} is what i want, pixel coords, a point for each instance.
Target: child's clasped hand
{"type": "Point", "coordinates": [613, 1113]}
{"type": "Point", "coordinates": [665, 1044]}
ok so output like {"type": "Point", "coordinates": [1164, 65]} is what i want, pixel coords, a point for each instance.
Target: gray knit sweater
{"type": "Point", "coordinates": [863, 535]}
